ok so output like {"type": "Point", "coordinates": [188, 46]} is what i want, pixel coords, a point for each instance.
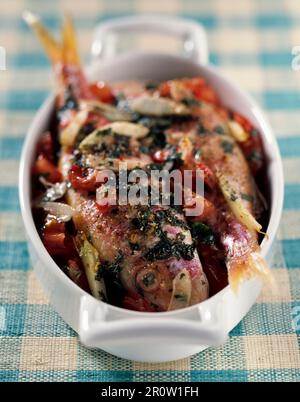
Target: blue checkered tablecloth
{"type": "Point", "coordinates": [251, 41]}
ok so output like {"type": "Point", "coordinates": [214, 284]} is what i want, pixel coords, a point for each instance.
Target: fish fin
{"type": "Point", "coordinates": [69, 42]}
{"type": "Point", "coordinates": [253, 266]}
{"type": "Point", "coordinates": [52, 47]}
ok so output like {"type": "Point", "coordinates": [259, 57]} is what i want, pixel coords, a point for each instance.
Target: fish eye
{"type": "Point", "coordinates": [148, 280]}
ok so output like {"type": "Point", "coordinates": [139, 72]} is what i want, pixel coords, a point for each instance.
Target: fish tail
{"type": "Point", "coordinates": [52, 47]}
{"type": "Point", "coordinates": [253, 266]}
{"type": "Point", "coordinates": [69, 42]}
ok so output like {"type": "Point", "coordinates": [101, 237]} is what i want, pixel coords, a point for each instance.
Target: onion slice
{"type": "Point", "coordinates": [68, 135]}
{"type": "Point", "coordinates": [108, 111]}
{"type": "Point", "coordinates": [182, 290]}
{"type": "Point", "coordinates": [237, 131]}
{"type": "Point", "coordinates": [62, 212]}
{"type": "Point", "coordinates": [236, 205]}
{"type": "Point", "coordinates": [55, 192]}
{"type": "Point", "coordinates": [91, 261]}
{"type": "Point", "coordinates": [150, 105]}
{"type": "Point", "coordinates": [128, 129]}
{"type": "Point", "coordinates": [124, 128]}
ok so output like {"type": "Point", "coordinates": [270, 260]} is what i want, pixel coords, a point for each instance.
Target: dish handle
{"type": "Point", "coordinates": [98, 328]}
{"type": "Point", "coordinates": [194, 38]}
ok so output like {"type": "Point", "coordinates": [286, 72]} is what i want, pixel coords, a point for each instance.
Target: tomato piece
{"type": "Point", "coordinates": [194, 83]}
{"type": "Point", "coordinates": [43, 167]}
{"type": "Point", "coordinates": [201, 90]}
{"type": "Point", "coordinates": [133, 301]}
{"type": "Point", "coordinates": [207, 94]}
{"type": "Point", "coordinates": [165, 89]}
{"type": "Point", "coordinates": [54, 226]}
{"type": "Point", "coordinates": [57, 242]}
{"type": "Point", "coordinates": [102, 92]}
{"type": "Point", "coordinates": [45, 146]}
{"type": "Point", "coordinates": [82, 179]}
{"type": "Point", "coordinates": [245, 123]}
{"type": "Point", "coordinates": [54, 237]}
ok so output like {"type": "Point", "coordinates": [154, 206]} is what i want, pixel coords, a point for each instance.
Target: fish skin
{"type": "Point", "coordinates": [111, 233]}
{"type": "Point", "coordinates": [222, 154]}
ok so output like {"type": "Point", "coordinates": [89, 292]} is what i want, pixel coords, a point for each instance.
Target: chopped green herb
{"type": "Point", "coordinates": [145, 149]}
{"type": "Point", "coordinates": [121, 146]}
{"type": "Point", "coordinates": [254, 132]}
{"type": "Point", "coordinates": [70, 102]}
{"type": "Point", "coordinates": [169, 216]}
{"type": "Point", "coordinates": [181, 297]}
{"type": "Point", "coordinates": [85, 130]}
{"type": "Point", "coordinates": [201, 129]}
{"type": "Point", "coordinates": [141, 221]}
{"type": "Point", "coordinates": [203, 233]}
{"type": "Point", "coordinates": [134, 246]}
{"type": "Point", "coordinates": [110, 273]}
{"type": "Point", "coordinates": [102, 133]}
{"type": "Point", "coordinates": [255, 156]}
{"type": "Point", "coordinates": [167, 248]}
{"type": "Point", "coordinates": [247, 197]}
{"type": "Point", "coordinates": [113, 267]}
{"type": "Point", "coordinates": [227, 146]}
{"type": "Point", "coordinates": [219, 130]}
{"type": "Point", "coordinates": [191, 102]}
{"type": "Point", "coordinates": [233, 197]}
{"type": "Point", "coordinates": [151, 85]}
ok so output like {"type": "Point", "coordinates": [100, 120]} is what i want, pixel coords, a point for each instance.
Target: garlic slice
{"type": "Point", "coordinates": [182, 290]}
{"type": "Point", "coordinates": [185, 147]}
{"type": "Point", "coordinates": [108, 111]}
{"type": "Point", "coordinates": [150, 105]}
{"type": "Point", "coordinates": [129, 129]}
{"type": "Point", "coordinates": [91, 261]}
{"type": "Point", "coordinates": [119, 127]}
{"type": "Point", "coordinates": [63, 212]}
{"type": "Point", "coordinates": [237, 131]}
{"type": "Point", "coordinates": [237, 206]}
{"type": "Point", "coordinates": [68, 134]}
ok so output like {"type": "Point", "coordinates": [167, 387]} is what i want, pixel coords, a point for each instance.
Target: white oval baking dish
{"type": "Point", "coordinates": [151, 337]}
